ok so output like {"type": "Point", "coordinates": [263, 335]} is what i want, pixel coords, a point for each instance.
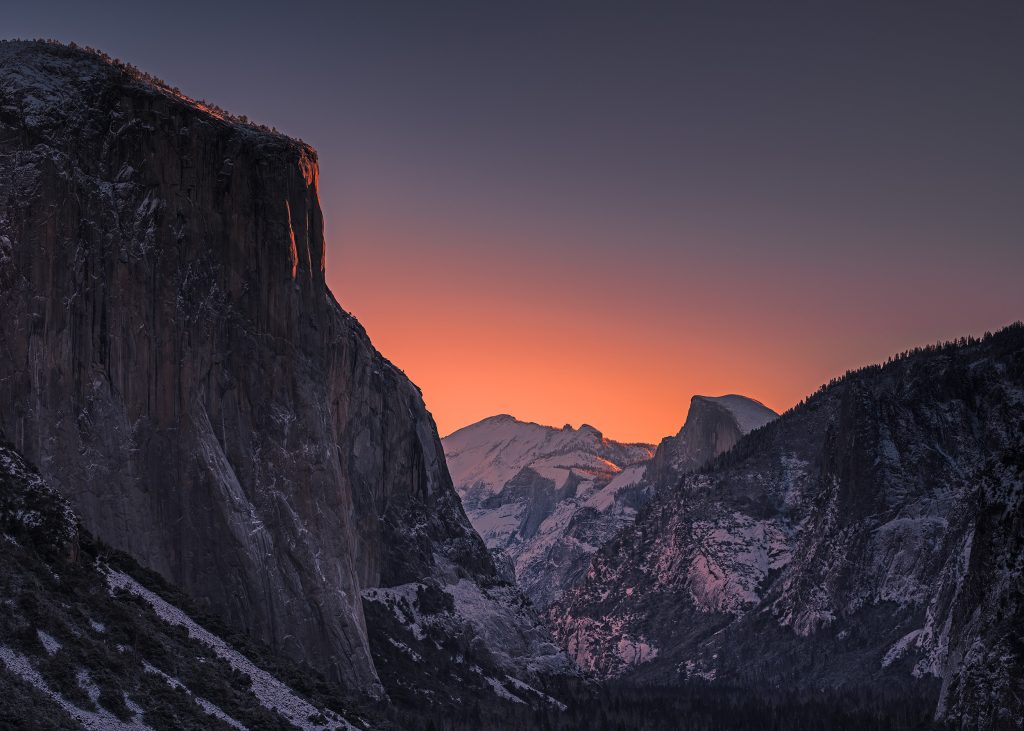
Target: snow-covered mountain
{"type": "Point", "coordinates": [548, 498]}
{"type": "Point", "coordinates": [544, 498]}
{"type": "Point", "coordinates": [871, 538]}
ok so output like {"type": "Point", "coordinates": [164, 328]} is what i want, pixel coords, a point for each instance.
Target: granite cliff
{"type": "Point", "coordinates": [172, 359]}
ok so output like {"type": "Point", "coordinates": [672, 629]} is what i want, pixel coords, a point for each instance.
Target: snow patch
{"type": "Point", "coordinates": [501, 691]}
{"type": "Point", "coordinates": [271, 692]}
{"type": "Point", "coordinates": [401, 600]}
{"type": "Point", "coordinates": [101, 720]}
{"type": "Point", "coordinates": [731, 557]}
{"type": "Point", "coordinates": [900, 648]}
{"type": "Point", "coordinates": [748, 413]}
{"type": "Point", "coordinates": [50, 644]}
{"type": "Point", "coordinates": [210, 708]}
{"type": "Point", "coordinates": [605, 497]}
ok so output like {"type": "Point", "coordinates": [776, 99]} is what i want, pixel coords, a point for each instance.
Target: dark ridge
{"type": "Point", "coordinates": [1001, 341]}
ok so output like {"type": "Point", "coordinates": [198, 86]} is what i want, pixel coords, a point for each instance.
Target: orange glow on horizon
{"type": "Point", "coordinates": [622, 346]}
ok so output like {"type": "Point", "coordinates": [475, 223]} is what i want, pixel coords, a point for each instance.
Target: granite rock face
{"type": "Point", "coordinates": [869, 538]}
{"type": "Point", "coordinates": [171, 358]}
{"type": "Point", "coordinates": [713, 425]}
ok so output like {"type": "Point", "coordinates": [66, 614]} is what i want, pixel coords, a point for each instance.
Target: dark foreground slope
{"type": "Point", "coordinates": [870, 540]}
{"type": "Point", "coordinates": [85, 643]}
{"type": "Point", "coordinates": [171, 358]}
{"type": "Point", "coordinates": [88, 639]}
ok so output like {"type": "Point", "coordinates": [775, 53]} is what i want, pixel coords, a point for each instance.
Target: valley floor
{"type": "Point", "coordinates": [700, 707]}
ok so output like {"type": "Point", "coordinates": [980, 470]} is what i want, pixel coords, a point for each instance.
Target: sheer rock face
{"type": "Point", "coordinates": [869, 538]}
{"type": "Point", "coordinates": [713, 425]}
{"type": "Point", "coordinates": [171, 358]}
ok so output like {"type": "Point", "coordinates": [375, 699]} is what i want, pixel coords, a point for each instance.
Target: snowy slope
{"type": "Point", "coordinates": [545, 497]}
{"type": "Point", "coordinates": [549, 498]}
{"type": "Point", "coordinates": [270, 692]}
{"type": "Point", "coordinates": [84, 644]}
{"type": "Point", "coordinates": [748, 413]}
{"type": "Point", "coordinates": [486, 455]}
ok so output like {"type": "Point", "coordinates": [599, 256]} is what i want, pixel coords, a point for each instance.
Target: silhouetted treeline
{"type": "Point", "coordinates": [1011, 334]}
{"type": "Point", "coordinates": [954, 382]}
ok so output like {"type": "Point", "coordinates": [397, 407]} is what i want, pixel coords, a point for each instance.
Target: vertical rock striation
{"type": "Point", "coordinates": [171, 358]}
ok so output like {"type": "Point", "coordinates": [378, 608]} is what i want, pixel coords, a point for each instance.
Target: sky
{"type": "Point", "coordinates": [591, 211]}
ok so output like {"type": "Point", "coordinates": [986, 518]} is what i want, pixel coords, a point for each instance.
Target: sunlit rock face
{"type": "Point", "coordinates": [174, 363]}
{"type": "Point", "coordinates": [549, 498]}
{"type": "Point", "coordinates": [870, 537]}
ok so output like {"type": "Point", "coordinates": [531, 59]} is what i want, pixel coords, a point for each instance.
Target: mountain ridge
{"type": "Point", "coordinates": [833, 547]}
{"type": "Point", "coordinates": [548, 498]}
{"type": "Point", "coordinates": [508, 418]}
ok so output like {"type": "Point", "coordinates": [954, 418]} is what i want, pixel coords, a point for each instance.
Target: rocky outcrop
{"type": "Point", "coordinates": [171, 358]}
{"type": "Point", "coordinates": [713, 425]}
{"type": "Point", "coordinates": [869, 538]}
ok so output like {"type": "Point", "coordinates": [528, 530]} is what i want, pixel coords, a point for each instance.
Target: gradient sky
{"type": "Point", "coordinates": [590, 211]}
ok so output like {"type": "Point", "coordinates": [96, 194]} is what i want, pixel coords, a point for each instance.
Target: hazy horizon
{"type": "Point", "coordinates": [710, 199]}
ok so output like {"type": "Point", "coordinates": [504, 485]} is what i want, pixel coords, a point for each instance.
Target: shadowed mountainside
{"type": "Point", "coordinates": [869, 538]}
{"type": "Point", "coordinates": [175, 364]}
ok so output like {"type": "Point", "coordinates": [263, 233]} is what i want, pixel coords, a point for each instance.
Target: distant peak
{"type": "Point", "coordinates": [509, 425]}
{"type": "Point", "coordinates": [496, 420]}
{"type": "Point", "coordinates": [748, 413]}
{"type": "Point", "coordinates": [499, 417]}
{"type": "Point", "coordinates": [729, 398]}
